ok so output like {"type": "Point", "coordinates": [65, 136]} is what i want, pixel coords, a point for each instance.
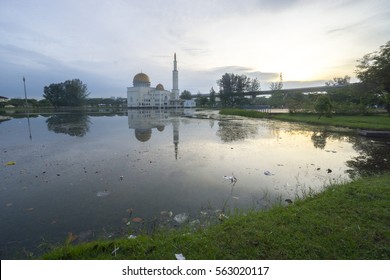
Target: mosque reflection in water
{"type": "Point", "coordinates": [146, 121]}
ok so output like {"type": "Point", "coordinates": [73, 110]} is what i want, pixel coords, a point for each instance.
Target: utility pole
{"type": "Point", "coordinates": [28, 115]}
{"type": "Point", "coordinates": [25, 92]}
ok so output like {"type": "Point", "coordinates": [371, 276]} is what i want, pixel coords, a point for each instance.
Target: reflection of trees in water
{"type": "Point", "coordinates": [230, 131]}
{"type": "Point", "coordinates": [71, 124]}
{"type": "Point", "coordinates": [373, 158]}
{"type": "Point", "coordinates": [319, 139]}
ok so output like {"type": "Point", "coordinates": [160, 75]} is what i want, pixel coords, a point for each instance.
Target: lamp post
{"type": "Point", "coordinates": [25, 92]}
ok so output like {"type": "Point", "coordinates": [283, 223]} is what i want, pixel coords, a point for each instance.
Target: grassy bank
{"type": "Point", "coordinates": [350, 221]}
{"type": "Point", "coordinates": [372, 122]}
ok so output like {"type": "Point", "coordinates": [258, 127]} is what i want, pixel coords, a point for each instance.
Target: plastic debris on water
{"type": "Point", "coordinates": [103, 193]}
{"type": "Point", "coordinates": [180, 257]}
{"type": "Point", "coordinates": [232, 178]}
{"type": "Point", "coordinates": [181, 218]}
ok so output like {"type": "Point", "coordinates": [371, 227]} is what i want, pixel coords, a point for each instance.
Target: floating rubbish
{"type": "Point", "coordinates": [121, 178]}
{"type": "Point", "coordinates": [131, 236]}
{"type": "Point", "coordinates": [232, 178]}
{"type": "Point", "coordinates": [289, 201]}
{"type": "Point", "coordinates": [235, 197]}
{"type": "Point", "coordinates": [10, 163]}
{"type": "Point", "coordinates": [195, 223]}
{"type": "Point", "coordinates": [180, 257]}
{"type": "Point", "coordinates": [30, 209]}
{"type": "Point", "coordinates": [166, 213]}
{"type": "Point", "coordinates": [267, 173]}
{"type": "Point", "coordinates": [181, 218]}
{"type": "Point", "coordinates": [222, 217]}
{"type": "Point", "coordinates": [129, 210]}
{"type": "Point", "coordinates": [103, 193]}
{"type": "Point", "coordinates": [137, 220]}
{"type": "Point", "coordinates": [329, 170]}
{"type": "Point", "coordinates": [8, 205]}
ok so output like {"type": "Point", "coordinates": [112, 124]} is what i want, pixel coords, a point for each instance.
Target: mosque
{"type": "Point", "coordinates": [142, 95]}
{"type": "Point", "coordinates": [147, 121]}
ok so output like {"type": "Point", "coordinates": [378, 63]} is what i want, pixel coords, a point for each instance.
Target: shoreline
{"type": "Point", "coordinates": [380, 122]}
{"type": "Point", "coordinates": [345, 221]}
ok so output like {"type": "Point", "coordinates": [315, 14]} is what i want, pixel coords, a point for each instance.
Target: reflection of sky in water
{"type": "Point", "coordinates": [168, 163]}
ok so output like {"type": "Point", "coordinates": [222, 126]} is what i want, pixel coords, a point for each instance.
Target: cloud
{"type": "Point", "coordinates": [41, 70]}
{"type": "Point", "coordinates": [106, 43]}
{"type": "Point", "coordinates": [244, 70]}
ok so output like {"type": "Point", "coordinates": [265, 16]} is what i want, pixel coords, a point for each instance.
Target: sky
{"type": "Point", "coordinates": [105, 43]}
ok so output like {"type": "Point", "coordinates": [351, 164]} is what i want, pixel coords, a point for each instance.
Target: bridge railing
{"type": "Point", "coordinates": [261, 108]}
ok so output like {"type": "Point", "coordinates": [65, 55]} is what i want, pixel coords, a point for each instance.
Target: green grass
{"type": "Point", "coordinates": [349, 221]}
{"type": "Point", "coordinates": [373, 122]}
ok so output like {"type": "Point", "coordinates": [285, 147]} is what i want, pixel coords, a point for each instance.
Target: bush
{"type": "Point", "coordinates": [323, 106]}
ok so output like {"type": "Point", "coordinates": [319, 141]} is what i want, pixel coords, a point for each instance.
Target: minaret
{"type": "Point", "coordinates": [175, 79]}
{"type": "Point", "coordinates": [175, 123]}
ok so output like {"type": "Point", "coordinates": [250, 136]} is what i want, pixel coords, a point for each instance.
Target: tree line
{"type": "Point", "coordinates": [373, 90]}
{"type": "Point", "coordinates": [93, 102]}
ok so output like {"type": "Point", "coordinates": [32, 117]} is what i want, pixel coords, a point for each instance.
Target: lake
{"type": "Point", "coordinates": [82, 176]}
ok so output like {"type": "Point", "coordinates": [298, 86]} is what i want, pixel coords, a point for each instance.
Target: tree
{"type": "Point", "coordinates": [212, 96]}
{"type": "Point", "coordinates": [68, 93]}
{"type": "Point", "coordinates": [186, 95]}
{"type": "Point", "coordinates": [323, 105]}
{"type": "Point", "coordinates": [231, 88]}
{"type": "Point", "coordinates": [374, 72]}
{"type": "Point", "coordinates": [44, 103]}
{"type": "Point", "coordinates": [18, 102]}
{"type": "Point", "coordinates": [339, 81]}
{"type": "Point", "coordinates": [255, 85]}
{"type": "Point", "coordinates": [201, 100]}
{"type": "Point", "coordinates": [294, 101]}
{"type": "Point", "coordinates": [275, 86]}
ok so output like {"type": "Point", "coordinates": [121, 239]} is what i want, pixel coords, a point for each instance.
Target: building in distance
{"type": "Point", "coordinates": [142, 95]}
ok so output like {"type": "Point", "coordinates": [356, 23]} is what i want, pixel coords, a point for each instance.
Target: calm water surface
{"type": "Point", "coordinates": [91, 175]}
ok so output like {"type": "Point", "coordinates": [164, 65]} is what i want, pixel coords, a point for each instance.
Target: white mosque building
{"type": "Point", "coordinates": [142, 95]}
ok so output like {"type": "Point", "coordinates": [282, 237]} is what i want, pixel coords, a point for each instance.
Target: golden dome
{"type": "Point", "coordinates": [141, 79]}
{"type": "Point", "coordinates": [160, 87]}
{"type": "Point", "coordinates": [143, 135]}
